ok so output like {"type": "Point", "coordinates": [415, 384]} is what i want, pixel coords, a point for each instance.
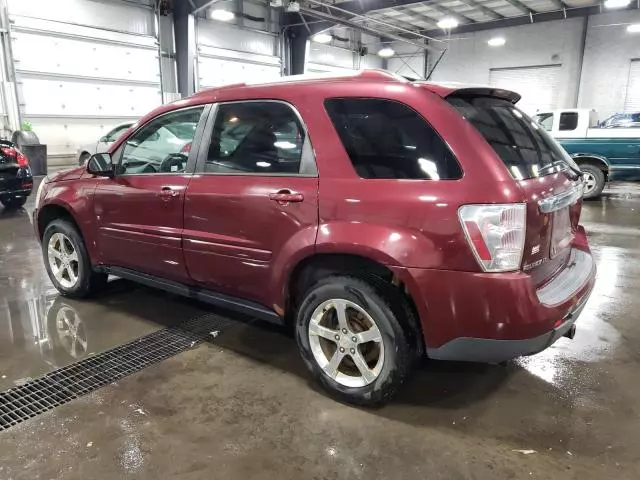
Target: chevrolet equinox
{"type": "Point", "coordinates": [382, 219]}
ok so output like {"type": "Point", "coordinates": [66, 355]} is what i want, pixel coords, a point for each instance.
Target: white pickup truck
{"type": "Point", "coordinates": [603, 153]}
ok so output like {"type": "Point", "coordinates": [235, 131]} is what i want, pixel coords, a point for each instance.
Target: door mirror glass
{"type": "Point", "coordinates": [103, 139]}
{"type": "Point", "coordinates": [100, 164]}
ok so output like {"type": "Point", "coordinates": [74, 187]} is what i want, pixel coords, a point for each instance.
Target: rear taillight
{"type": "Point", "coordinates": [496, 234]}
{"type": "Point", "coordinates": [186, 148]}
{"type": "Point", "coordinates": [12, 152]}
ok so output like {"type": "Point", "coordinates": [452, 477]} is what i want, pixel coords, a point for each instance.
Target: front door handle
{"type": "Point", "coordinates": [167, 193]}
{"type": "Point", "coordinates": [286, 196]}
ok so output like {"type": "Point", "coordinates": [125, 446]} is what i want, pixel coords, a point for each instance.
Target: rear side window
{"type": "Point", "coordinates": [568, 121]}
{"type": "Point", "coordinates": [386, 139]}
{"type": "Point", "coordinates": [525, 148]}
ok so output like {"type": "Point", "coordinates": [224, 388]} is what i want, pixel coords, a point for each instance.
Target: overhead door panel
{"type": "Point", "coordinates": [632, 99]}
{"type": "Point", "coordinates": [539, 85]}
{"type": "Point", "coordinates": [75, 82]}
{"type": "Point", "coordinates": [328, 58]}
{"type": "Point", "coordinates": [228, 54]}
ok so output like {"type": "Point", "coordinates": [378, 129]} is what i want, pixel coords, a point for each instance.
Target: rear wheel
{"type": "Point", "coordinates": [12, 202]}
{"type": "Point", "coordinates": [593, 180]}
{"type": "Point", "coordinates": [67, 261]}
{"type": "Point", "coordinates": [351, 340]}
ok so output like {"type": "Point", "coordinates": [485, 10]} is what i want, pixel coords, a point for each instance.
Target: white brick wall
{"type": "Point", "coordinates": [469, 58]}
{"type": "Point", "coordinates": [608, 52]}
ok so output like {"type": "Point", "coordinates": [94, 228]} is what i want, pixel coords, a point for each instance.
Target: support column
{"type": "Point", "coordinates": [298, 34]}
{"type": "Point", "coordinates": [184, 29]}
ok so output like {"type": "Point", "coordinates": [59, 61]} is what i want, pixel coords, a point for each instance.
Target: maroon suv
{"type": "Point", "coordinates": [383, 219]}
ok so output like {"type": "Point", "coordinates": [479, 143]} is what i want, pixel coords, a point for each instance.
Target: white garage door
{"type": "Point", "coordinates": [538, 85]}
{"type": "Point", "coordinates": [632, 100]}
{"type": "Point", "coordinates": [329, 59]}
{"type": "Point", "coordinates": [228, 55]}
{"type": "Point", "coordinates": [76, 79]}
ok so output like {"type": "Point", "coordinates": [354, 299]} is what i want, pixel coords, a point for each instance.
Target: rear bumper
{"type": "Point", "coordinates": [485, 317]}
{"type": "Point", "coordinates": [19, 185]}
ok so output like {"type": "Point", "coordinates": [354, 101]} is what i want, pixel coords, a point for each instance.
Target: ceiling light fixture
{"type": "Point", "coordinates": [322, 38]}
{"type": "Point", "coordinates": [634, 28]}
{"type": "Point", "coordinates": [497, 41]}
{"type": "Point", "coordinates": [386, 52]}
{"type": "Point", "coordinates": [448, 23]}
{"type": "Point", "coordinates": [222, 15]}
{"type": "Point", "coordinates": [611, 4]}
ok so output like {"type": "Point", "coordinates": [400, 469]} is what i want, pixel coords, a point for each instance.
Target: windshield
{"type": "Point", "coordinates": [524, 147]}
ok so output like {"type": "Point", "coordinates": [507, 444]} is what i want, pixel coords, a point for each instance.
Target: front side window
{"type": "Point", "coordinates": [255, 138]}
{"type": "Point", "coordinates": [162, 145]}
{"type": "Point", "coordinates": [568, 121]}
{"type": "Point", "coordinates": [387, 139]}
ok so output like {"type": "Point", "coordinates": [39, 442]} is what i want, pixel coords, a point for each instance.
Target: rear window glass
{"type": "Point", "coordinates": [525, 148]}
{"type": "Point", "coordinates": [386, 139]}
{"type": "Point", "coordinates": [568, 121]}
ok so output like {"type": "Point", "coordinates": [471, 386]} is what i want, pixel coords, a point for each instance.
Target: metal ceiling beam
{"type": "Point", "coordinates": [371, 31]}
{"type": "Point", "coordinates": [527, 20]}
{"type": "Point", "coordinates": [340, 13]}
{"type": "Point", "coordinates": [521, 6]}
{"type": "Point", "coordinates": [438, 8]}
{"type": "Point", "coordinates": [484, 9]}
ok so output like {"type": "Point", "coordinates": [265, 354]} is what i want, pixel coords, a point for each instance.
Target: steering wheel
{"type": "Point", "coordinates": [172, 160]}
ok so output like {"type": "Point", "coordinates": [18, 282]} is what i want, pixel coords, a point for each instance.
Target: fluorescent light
{"type": "Point", "coordinates": [448, 23]}
{"type": "Point", "coordinates": [634, 28]}
{"type": "Point", "coordinates": [263, 164]}
{"type": "Point", "coordinates": [284, 144]}
{"type": "Point", "coordinates": [386, 52]}
{"type": "Point", "coordinates": [497, 41]}
{"type": "Point", "coordinates": [616, 3]}
{"type": "Point", "coordinates": [222, 15]}
{"type": "Point", "coordinates": [322, 38]}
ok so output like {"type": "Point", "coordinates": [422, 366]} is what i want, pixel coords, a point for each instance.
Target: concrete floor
{"type": "Point", "coordinates": [242, 406]}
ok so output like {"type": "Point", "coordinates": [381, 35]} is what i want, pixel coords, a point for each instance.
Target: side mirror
{"type": "Point", "coordinates": [104, 139]}
{"type": "Point", "coordinates": [100, 164]}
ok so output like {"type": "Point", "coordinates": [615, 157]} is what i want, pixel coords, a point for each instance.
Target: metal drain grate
{"type": "Point", "coordinates": [65, 384]}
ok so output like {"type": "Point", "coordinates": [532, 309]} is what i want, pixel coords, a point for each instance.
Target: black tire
{"type": "Point", "coordinates": [84, 157]}
{"type": "Point", "coordinates": [598, 175]}
{"type": "Point", "coordinates": [13, 203]}
{"type": "Point", "coordinates": [88, 281]}
{"type": "Point", "coordinates": [384, 307]}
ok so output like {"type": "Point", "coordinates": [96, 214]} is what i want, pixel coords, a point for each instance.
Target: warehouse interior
{"type": "Point", "coordinates": [238, 403]}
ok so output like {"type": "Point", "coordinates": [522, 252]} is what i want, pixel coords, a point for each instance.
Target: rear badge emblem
{"type": "Point", "coordinates": [535, 249]}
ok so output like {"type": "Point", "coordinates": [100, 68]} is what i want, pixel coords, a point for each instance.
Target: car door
{"type": "Point", "coordinates": [139, 211]}
{"type": "Point", "coordinates": [254, 197]}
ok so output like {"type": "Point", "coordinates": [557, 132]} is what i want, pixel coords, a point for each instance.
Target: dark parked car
{"type": "Point", "coordinates": [16, 181]}
{"type": "Point", "coordinates": [399, 219]}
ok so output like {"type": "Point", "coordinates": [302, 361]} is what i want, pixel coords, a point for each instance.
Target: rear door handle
{"type": "Point", "coordinates": [167, 193]}
{"type": "Point", "coordinates": [286, 196]}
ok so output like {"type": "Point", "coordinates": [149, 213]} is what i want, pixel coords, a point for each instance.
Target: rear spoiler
{"type": "Point", "coordinates": [508, 95]}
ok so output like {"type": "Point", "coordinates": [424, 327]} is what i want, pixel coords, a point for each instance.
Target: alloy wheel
{"type": "Point", "coordinates": [589, 182]}
{"type": "Point", "coordinates": [63, 260]}
{"type": "Point", "coordinates": [346, 343]}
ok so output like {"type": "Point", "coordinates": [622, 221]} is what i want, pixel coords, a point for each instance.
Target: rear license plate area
{"type": "Point", "coordinates": [561, 231]}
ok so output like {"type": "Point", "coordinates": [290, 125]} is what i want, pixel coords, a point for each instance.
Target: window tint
{"type": "Point", "coordinates": [568, 121]}
{"type": "Point", "coordinates": [546, 120]}
{"type": "Point", "coordinates": [526, 149]}
{"type": "Point", "coordinates": [162, 145]}
{"type": "Point", "coordinates": [255, 137]}
{"type": "Point", "coordinates": [386, 139]}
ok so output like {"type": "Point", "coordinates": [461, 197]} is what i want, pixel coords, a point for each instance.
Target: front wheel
{"type": "Point", "coordinates": [593, 181]}
{"type": "Point", "coordinates": [350, 339]}
{"type": "Point", "coordinates": [67, 261]}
